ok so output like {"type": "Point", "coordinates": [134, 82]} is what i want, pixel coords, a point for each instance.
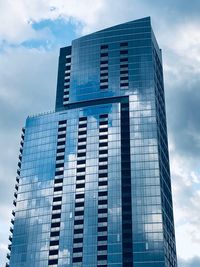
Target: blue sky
{"type": "Point", "coordinates": [59, 33]}
{"type": "Point", "coordinates": [30, 37]}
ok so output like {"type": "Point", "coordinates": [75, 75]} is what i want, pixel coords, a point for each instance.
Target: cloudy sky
{"type": "Point", "coordinates": [31, 33]}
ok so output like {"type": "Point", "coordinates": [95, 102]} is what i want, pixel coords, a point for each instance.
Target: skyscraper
{"type": "Point", "coordinates": [93, 186]}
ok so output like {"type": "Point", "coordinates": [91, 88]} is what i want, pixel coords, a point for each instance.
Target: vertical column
{"type": "Point", "coordinates": [57, 195]}
{"type": "Point", "coordinates": [127, 245]}
{"type": "Point", "coordinates": [103, 192]}
{"type": "Point", "coordinates": [80, 193]}
{"type": "Point", "coordinates": [67, 80]}
{"type": "Point", "coordinates": [104, 67]}
{"type": "Point", "coordinates": [124, 79]}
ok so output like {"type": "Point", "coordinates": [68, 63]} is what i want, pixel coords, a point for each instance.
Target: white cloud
{"type": "Point", "coordinates": [25, 71]}
{"type": "Point", "coordinates": [187, 42]}
{"type": "Point", "coordinates": [186, 192]}
{"type": "Point", "coordinates": [181, 53]}
{"type": "Point", "coordinates": [19, 16]}
{"type": "Point", "coordinates": [5, 212]}
{"type": "Point", "coordinates": [182, 69]}
{"type": "Point", "coordinates": [188, 239]}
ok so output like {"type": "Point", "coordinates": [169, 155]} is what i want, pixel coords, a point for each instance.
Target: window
{"type": "Point", "coordinates": [53, 262]}
{"type": "Point", "coordinates": [83, 119]}
{"type": "Point", "coordinates": [56, 199]}
{"type": "Point", "coordinates": [56, 233]}
{"type": "Point", "coordinates": [57, 181]}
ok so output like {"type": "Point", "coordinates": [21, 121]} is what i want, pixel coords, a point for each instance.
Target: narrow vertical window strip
{"type": "Point", "coordinates": [104, 66]}
{"type": "Point", "coordinates": [102, 229]}
{"type": "Point", "coordinates": [67, 79]}
{"type": "Point", "coordinates": [77, 257]}
{"type": "Point", "coordinates": [124, 72]}
{"type": "Point", "coordinates": [57, 197]}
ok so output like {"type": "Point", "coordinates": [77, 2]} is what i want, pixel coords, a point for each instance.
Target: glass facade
{"type": "Point", "coordinates": [93, 185]}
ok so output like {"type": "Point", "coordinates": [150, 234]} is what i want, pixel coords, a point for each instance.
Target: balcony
{"type": "Point", "coordinates": [22, 137]}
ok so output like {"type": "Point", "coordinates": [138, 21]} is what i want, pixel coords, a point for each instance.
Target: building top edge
{"type": "Point", "coordinates": [41, 114]}
{"type": "Point", "coordinates": [145, 19]}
